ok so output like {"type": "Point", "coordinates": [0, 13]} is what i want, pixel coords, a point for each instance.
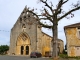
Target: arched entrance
{"type": "Point", "coordinates": [23, 44]}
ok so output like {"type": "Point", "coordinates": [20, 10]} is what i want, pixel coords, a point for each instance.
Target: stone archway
{"type": "Point", "coordinates": [23, 44]}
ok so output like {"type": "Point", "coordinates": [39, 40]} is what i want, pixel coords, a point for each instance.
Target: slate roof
{"type": "Point", "coordinates": [51, 36]}
{"type": "Point", "coordinates": [47, 34]}
{"type": "Point", "coordinates": [73, 25]}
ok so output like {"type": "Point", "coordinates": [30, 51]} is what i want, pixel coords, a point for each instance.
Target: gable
{"type": "Point", "coordinates": [26, 18]}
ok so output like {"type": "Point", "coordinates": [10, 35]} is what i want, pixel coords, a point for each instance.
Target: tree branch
{"type": "Point", "coordinates": [69, 13]}
{"type": "Point", "coordinates": [33, 13]}
{"type": "Point", "coordinates": [38, 19]}
{"type": "Point", "coordinates": [43, 18]}
{"type": "Point", "coordinates": [48, 15]}
{"type": "Point", "coordinates": [59, 4]}
{"type": "Point", "coordinates": [65, 1]}
{"type": "Point", "coordinates": [47, 5]}
{"type": "Point", "coordinates": [58, 10]}
{"type": "Point", "coordinates": [43, 25]}
{"type": "Point", "coordinates": [47, 18]}
{"type": "Point", "coordinates": [47, 12]}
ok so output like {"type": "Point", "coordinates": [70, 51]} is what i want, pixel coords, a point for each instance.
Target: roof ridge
{"type": "Point", "coordinates": [73, 25]}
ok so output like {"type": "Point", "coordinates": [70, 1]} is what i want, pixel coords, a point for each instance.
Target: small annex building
{"type": "Point", "coordinates": [72, 33]}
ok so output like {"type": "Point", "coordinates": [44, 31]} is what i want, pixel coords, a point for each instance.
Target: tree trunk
{"type": "Point", "coordinates": [54, 40]}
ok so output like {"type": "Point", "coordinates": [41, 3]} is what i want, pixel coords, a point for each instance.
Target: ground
{"type": "Point", "coordinates": [5, 57]}
{"type": "Point", "coordinates": [21, 58]}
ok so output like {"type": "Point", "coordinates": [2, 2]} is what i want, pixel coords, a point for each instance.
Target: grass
{"type": "Point", "coordinates": [63, 55]}
{"type": "Point", "coordinates": [68, 57]}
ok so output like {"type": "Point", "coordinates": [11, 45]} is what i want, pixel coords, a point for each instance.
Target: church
{"type": "Point", "coordinates": [26, 37]}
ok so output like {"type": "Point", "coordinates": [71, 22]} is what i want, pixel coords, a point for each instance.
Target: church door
{"type": "Point", "coordinates": [27, 50]}
{"type": "Point", "coordinates": [23, 43]}
{"type": "Point", "coordinates": [22, 48]}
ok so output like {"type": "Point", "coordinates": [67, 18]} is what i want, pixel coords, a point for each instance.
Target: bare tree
{"type": "Point", "coordinates": [54, 16]}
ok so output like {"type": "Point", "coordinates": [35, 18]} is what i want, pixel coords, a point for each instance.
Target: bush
{"type": "Point", "coordinates": [4, 49]}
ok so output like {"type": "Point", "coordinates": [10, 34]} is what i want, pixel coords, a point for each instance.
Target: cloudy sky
{"type": "Point", "coordinates": [10, 10]}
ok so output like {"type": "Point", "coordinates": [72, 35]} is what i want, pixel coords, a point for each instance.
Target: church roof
{"type": "Point", "coordinates": [47, 34]}
{"type": "Point", "coordinates": [51, 36]}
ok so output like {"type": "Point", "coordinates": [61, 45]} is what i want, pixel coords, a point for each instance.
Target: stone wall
{"type": "Point", "coordinates": [72, 40]}
{"type": "Point", "coordinates": [27, 26]}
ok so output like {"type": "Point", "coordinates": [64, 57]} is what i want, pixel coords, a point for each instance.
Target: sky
{"type": "Point", "coordinates": [10, 10]}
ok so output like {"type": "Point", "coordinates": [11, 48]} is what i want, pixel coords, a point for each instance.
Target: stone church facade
{"type": "Point", "coordinates": [26, 36]}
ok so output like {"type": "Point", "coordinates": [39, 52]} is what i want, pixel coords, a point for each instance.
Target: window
{"type": "Point", "coordinates": [27, 12]}
{"type": "Point", "coordinates": [78, 32]}
{"type": "Point", "coordinates": [28, 15]}
{"type": "Point", "coordinates": [23, 14]}
{"type": "Point", "coordinates": [20, 20]}
{"type": "Point", "coordinates": [24, 17]}
{"type": "Point", "coordinates": [23, 26]}
{"type": "Point", "coordinates": [77, 48]}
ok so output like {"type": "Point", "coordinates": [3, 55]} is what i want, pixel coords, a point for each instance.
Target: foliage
{"type": "Point", "coordinates": [4, 49]}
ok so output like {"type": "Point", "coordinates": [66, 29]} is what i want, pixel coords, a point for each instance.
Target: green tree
{"type": "Point", "coordinates": [54, 15]}
{"type": "Point", "coordinates": [4, 49]}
